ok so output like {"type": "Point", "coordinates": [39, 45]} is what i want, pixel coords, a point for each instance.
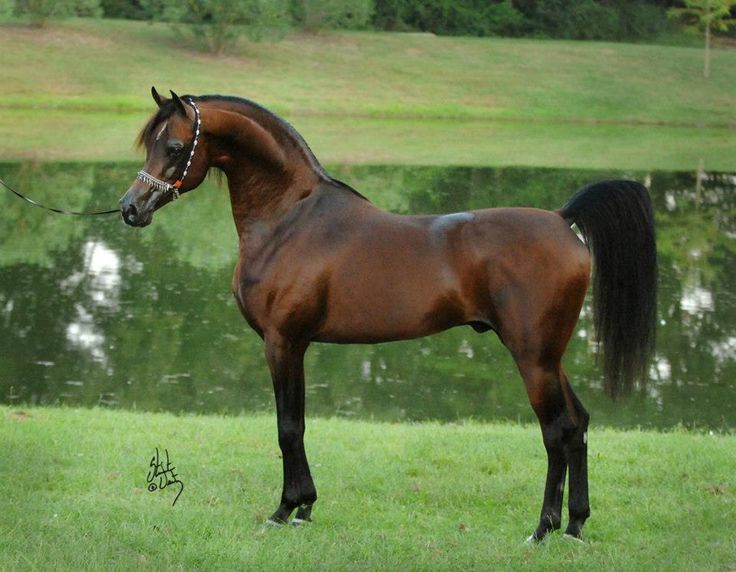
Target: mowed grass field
{"type": "Point", "coordinates": [80, 90]}
{"type": "Point", "coordinates": [392, 497]}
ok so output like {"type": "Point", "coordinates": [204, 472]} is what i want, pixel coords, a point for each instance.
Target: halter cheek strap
{"type": "Point", "coordinates": [165, 186]}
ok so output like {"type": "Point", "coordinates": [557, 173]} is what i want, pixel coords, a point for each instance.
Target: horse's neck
{"type": "Point", "coordinates": [258, 198]}
{"type": "Point", "coordinates": [266, 173]}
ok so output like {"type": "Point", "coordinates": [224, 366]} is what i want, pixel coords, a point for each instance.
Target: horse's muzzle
{"type": "Point", "coordinates": [136, 212]}
{"type": "Point", "coordinates": [132, 217]}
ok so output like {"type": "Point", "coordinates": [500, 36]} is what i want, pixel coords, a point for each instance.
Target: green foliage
{"type": "Point", "coordinates": [7, 8]}
{"type": "Point", "coordinates": [638, 20]}
{"type": "Point", "coordinates": [706, 16]}
{"type": "Point", "coordinates": [594, 20]}
{"type": "Point", "coordinates": [466, 17]}
{"type": "Point", "coordinates": [390, 15]}
{"type": "Point", "coordinates": [40, 12]}
{"type": "Point", "coordinates": [475, 18]}
{"type": "Point", "coordinates": [584, 19]}
{"type": "Point", "coordinates": [218, 24]}
{"type": "Point", "coordinates": [702, 14]}
{"type": "Point", "coordinates": [127, 9]}
{"type": "Point", "coordinates": [505, 19]}
{"type": "Point", "coordinates": [87, 8]}
{"type": "Point", "coordinates": [315, 15]}
{"type": "Point", "coordinates": [575, 19]}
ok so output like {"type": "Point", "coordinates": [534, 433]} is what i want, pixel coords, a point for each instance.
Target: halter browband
{"type": "Point", "coordinates": [164, 186]}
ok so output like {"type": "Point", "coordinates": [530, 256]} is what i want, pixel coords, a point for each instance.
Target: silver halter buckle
{"type": "Point", "coordinates": [164, 186]}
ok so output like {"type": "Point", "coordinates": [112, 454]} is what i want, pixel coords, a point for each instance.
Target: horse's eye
{"type": "Point", "coordinates": [174, 147]}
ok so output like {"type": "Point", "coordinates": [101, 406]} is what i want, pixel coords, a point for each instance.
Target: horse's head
{"type": "Point", "coordinates": [175, 159]}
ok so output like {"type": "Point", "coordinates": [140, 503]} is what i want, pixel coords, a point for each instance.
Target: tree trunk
{"type": "Point", "coordinates": [706, 68]}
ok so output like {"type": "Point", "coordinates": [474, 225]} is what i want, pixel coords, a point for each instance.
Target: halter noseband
{"type": "Point", "coordinates": [163, 186]}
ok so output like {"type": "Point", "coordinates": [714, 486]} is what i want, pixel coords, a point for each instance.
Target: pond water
{"type": "Point", "coordinates": [95, 313]}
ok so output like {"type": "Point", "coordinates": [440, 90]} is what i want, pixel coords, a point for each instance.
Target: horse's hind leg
{"type": "Point", "coordinates": [548, 403]}
{"type": "Point", "coordinates": [537, 332]}
{"type": "Point", "coordinates": [564, 423]}
{"type": "Point", "coordinates": [576, 452]}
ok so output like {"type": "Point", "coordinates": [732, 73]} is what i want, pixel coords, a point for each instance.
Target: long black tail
{"type": "Point", "coordinates": [616, 220]}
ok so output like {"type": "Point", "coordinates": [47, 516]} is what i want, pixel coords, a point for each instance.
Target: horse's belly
{"type": "Point", "coordinates": [391, 308]}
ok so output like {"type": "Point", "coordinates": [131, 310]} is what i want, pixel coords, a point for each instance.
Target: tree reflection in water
{"type": "Point", "coordinates": [94, 313]}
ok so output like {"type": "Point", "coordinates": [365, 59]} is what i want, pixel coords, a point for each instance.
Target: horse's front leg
{"type": "Point", "coordinates": [286, 361]}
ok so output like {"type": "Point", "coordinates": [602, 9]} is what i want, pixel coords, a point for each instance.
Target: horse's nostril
{"type": "Point", "coordinates": [131, 214]}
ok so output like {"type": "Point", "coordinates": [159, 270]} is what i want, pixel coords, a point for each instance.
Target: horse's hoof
{"type": "Point", "coordinates": [301, 522]}
{"type": "Point", "coordinates": [573, 538]}
{"type": "Point", "coordinates": [304, 512]}
{"type": "Point", "coordinates": [272, 523]}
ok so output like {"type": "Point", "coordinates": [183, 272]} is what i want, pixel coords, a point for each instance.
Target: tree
{"type": "Point", "coordinates": [41, 11]}
{"type": "Point", "coordinates": [315, 15]}
{"type": "Point", "coordinates": [705, 16]}
{"type": "Point", "coordinates": [128, 9]}
{"type": "Point", "coordinates": [220, 23]}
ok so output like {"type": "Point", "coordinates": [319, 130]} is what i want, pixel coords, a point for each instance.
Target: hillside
{"type": "Point", "coordinates": [94, 76]}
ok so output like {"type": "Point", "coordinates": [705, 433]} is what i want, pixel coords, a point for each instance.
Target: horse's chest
{"type": "Point", "coordinates": [278, 298]}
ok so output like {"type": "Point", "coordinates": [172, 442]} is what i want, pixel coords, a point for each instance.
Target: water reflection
{"type": "Point", "coordinates": [92, 312]}
{"type": "Point", "coordinates": [96, 283]}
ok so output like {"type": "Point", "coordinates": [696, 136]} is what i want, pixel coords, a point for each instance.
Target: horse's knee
{"type": "Point", "coordinates": [290, 437]}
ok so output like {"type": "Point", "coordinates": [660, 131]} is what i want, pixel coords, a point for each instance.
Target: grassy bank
{"type": "Point", "coordinates": [412, 497]}
{"type": "Point", "coordinates": [110, 65]}
{"type": "Point", "coordinates": [79, 90]}
{"type": "Point", "coordinates": [103, 136]}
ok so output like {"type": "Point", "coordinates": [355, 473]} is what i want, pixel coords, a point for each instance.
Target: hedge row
{"type": "Point", "coordinates": [574, 19]}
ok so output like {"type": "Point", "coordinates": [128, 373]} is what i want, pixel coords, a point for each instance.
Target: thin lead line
{"type": "Point", "coordinates": [52, 209]}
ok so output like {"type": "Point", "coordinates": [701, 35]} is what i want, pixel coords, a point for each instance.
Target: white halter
{"type": "Point", "coordinates": [164, 186]}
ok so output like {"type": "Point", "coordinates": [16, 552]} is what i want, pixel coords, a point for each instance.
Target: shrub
{"type": "Point", "coordinates": [639, 20]}
{"type": "Point", "coordinates": [593, 20]}
{"type": "Point", "coordinates": [390, 14]}
{"type": "Point", "coordinates": [452, 17]}
{"type": "Point", "coordinates": [218, 24]}
{"type": "Point", "coordinates": [574, 19]}
{"type": "Point", "coordinates": [125, 9]}
{"type": "Point", "coordinates": [41, 11]}
{"type": "Point", "coordinates": [315, 15]}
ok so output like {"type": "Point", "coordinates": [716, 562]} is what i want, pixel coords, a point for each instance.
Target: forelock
{"type": "Point", "coordinates": [149, 131]}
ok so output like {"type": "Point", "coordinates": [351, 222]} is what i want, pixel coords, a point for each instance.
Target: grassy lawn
{"type": "Point", "coordinates": [112, 64]}
{"type": "Point", "coordinates": [393, 497]}
{"type": "Point", "coordinates": [79, 90]}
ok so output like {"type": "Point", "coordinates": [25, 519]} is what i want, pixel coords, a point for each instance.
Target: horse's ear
{"type": "Point", "coordinates": [156, 97]}
{"type": "Point", "coordinates": [179, 104]}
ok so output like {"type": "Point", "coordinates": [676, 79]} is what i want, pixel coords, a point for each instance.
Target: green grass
{"type": "Point", "coordinates": [110, 65]}
{"type": "Point", "coordinates": [105, 136]}
{"type": "Point", "coordinates": [393, 497]}
{"type": "Point", "coordinates": [79, 90]}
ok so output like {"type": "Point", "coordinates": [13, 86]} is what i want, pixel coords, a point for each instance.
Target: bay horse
{"type": "Point", "coordinates": [319, 262]}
